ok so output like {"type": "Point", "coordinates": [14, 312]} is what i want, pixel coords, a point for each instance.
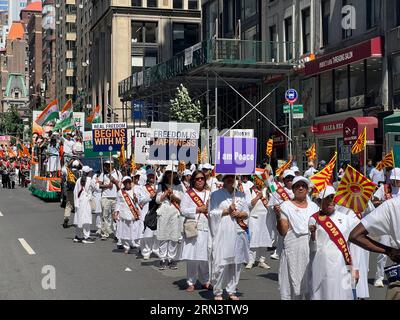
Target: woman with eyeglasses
{"type": "Point", "coordinates": [195, 249]}
{"type": "Point", "coordinates": [230, 245]}
{"type": "Point", "coordinates": [292, 224]}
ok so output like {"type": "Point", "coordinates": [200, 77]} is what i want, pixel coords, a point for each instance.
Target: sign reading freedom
{"type": "Point", "coordinates": [173, 141]}
{"type": "Point", "coordinates": [236, 156]}
{"type": "Point", "coordinates": [106, 135]}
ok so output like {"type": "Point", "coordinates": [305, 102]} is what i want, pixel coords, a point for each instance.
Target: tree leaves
{"type": "Point", "coordinates": [11, 123]}
{"type": "Point", "coordinates": [182, 109]}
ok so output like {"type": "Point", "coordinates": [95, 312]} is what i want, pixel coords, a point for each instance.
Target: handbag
{"type": "Point", "coordinates": [190, 228]}
{"type": "Point", "coordinates": [93, 205]}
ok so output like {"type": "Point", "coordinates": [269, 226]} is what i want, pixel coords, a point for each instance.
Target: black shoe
{"type": "Point", "coordinates": [163, 265]}
{"type": "Point", "coordinates": [88, 240]}
{"type": "Point", "coordinates": [120, 247]}
{"type": "Point", "coordinates": [65, 224]}
{"type": "Point", "coordinates": [77, 240]}
{"type": "Point", "coordinates": [172, 265]}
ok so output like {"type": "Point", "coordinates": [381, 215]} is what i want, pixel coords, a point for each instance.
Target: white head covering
{"type": "Point", "coordinates": [187, 173]}
{"type": "Point", "coordinates": [126, 178]}
{"type": "Point", "coordinates": [207, 166]}
{"type": "Point", "coordinates": [86, 169]}
{"type": "Point", "coordinates": [170, 168]}
{"type": "Point", "coordinates": [287, 173]}
{"type": "Point", "coordinates": [75, 163]}
{"type": "Point", "coordinates": [301, 179]}
{"type": "Point", "coordinates": [395, 174]}
{"type": "Point", "coordinates": [295, 169]}
{"type": "Point", "coordinates": [329, 190]}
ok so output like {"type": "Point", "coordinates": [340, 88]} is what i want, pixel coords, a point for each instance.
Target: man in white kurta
{"type": "Point", "coordinates": [83, 211]}
{"type": "Point", "coordinates": [330, 277]}
{"type": "Point", "coordinates": [230, 245]}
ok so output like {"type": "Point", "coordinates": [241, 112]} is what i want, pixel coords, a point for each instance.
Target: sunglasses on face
{"type": "Point", "coordinates": [199, 179]}
{"type": "Point", "coordinates": [300, 186]}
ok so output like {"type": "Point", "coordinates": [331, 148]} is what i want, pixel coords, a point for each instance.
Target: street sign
{"type": "Point", "coordinates": [297, 109]}
{"type": "Point", "coordinates": [243, 133]}
{"type": "Point", "coordinates": [291, 96]}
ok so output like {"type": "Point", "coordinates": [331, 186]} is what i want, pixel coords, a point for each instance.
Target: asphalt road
{"type": "Point", "coordinates": [95, 271]}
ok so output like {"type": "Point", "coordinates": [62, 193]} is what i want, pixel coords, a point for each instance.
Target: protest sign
{"type": "Point", "coordinates": [173, 142]}
{"type": "Point", "coordinates": [141, 141]}
{"type": "Point", "coordinates": [109, 136]}
{"type": "Point", "coordinates": [236, 155]}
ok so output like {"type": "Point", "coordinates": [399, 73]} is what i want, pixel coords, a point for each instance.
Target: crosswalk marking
{"type": "Point", "coordinates": [26, 246]}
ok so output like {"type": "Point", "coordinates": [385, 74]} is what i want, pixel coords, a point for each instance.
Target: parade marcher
{"type": "Point", "coordinates": [310, 171]}
{"type": "Point", "coordinates": [147, 200]}
{"type": "Point", "coordinates": [377, 176]}
{"type": "Point", "coordinates": [53, 160]}
{"type": "Point", "coordinates": [97, 198]}
{"type": "Point", "coordinates": [277, 197]}
{"type": "Point", "coordinates": [72, 173]}
{"type": "Point", "coordinates": [127, 212]}
{"type": "Point", "coordinates": [68, 143]}
{"type": "Point", "coordinates": [4, 173]}
{"type": "Point", "coordinates": [138, 226]}
{"type": "Point", "coordinates": [296, 171]}
{"type": "Point", "coordinates": [292, 224]}
{"type": "Point", "coordinates": [211, 181]}
{"type": "Point", "coordinates": [83, 210]}
{"type": "Point", "coordinates": [260, 233]}
{"type": "Point", "coordinates": [385, 192]}
{"type": "Point", "coordinates": [333, 267]}
{"type": "Point", "coordinates": [187, 174]}
{"type": "Point", "coordinates": [230, 245]}
{"type": "Point", "coordinates": [384, 220]}
{"type": "Point", "coordinates": [77, 148]}
{"type": "Point", "coordinates": [107, 182]}
{"type": "Point", "coordinates": [169, 222]}
{"type": "Point", "coordinates": [196, 247]}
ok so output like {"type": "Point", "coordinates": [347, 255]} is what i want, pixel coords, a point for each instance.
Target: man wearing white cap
{"type": "Point", "coordinates": [310, 171]}
{"type": "Point", "coordinates": [71, 172]}
{"type": "Point", "coordinates": [212, 182]}
{"type": "Point", "coordinates": [384, 193]}
{"type": "Point", "coordinates": [83, 211]}
{"type": "Point", "coordinates": [333, 265]}
{"type": "Point", "coordinates": [128, 213]}
{"type": "Point", "coordinates": [107, 181]}
{"type": "Point", "coordinates": [274, 203]}
{"type": "Point", "coordinates": [296, 171]}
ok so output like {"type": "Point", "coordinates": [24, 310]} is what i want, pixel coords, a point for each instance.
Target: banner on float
{"type": "Point", "coordinates": [236, 156]}
{"type": "Point", "coordinates": [141, 141]}
{"type": "Point", "coordinates": [108, 137]}
{"type": "Point", "coordinates": [172, 142]}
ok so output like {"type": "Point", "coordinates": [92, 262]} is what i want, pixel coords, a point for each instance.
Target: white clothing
{"type": "Point", "coordinates": [126, 215]}
{"type": "Point", "coordinates": [82, 196]}
{"type": "Point", "coordinates": [293, 267]}
{"type": "Point", "coordinates": [68, 144]}
{"type": "Point", "coordinates": [96, 194]}
{"type": "Point", "coordinates": [310, 172]}
{"type": "Point", "coordinates": [104, 178]}
{"type": "Point", "coordinates": [196, 248]}
{"type": "Point", "coordinates": [380, 193]}
{"type": "Point", "coordinates": [213, 183]}
{"type": "Point", "coordinates": [53, 164]}
{"type": "Point", "coordinates": [377, 176]}
{"type": "Point", "coordinates": [330, 277]}
{"type": "Point", "coordinates": [197, 270]}
{"type": "Point", "coordinates": [227, 277]}
{"type": "Point", "coordinates": [168, 249]}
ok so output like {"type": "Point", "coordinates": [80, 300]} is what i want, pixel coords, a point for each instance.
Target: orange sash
{"type": "Point", "coordinates": [335, 235]}
{"type": "Point", "coordinates": [150, 189]}
{"type": "Point", "coordinates": [132, 207]}
{"type": "Point", "coordinates": [281, 192]}
{"type": "Point", "coordinates": [263, 199]}
{"type": "Point", "coordinates": [196, 199]}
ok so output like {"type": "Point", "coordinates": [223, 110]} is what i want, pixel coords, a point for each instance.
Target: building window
{"type": "Point", "coordinates": [373, 13]}
{"type": "Point", "coordinates": [397, 12]}
{"type": "Point", "coordinates": [210, 14]}
{"type": "Point", "coordinates": [289, 38]}
{"type": "Point", "coordinates": [306, 29]}
{"type": "Point", "coordinates": [249, 8]}
{"type": "Point", "coordinates": [229, 19]}
{"type": "Point", "coordinates": [349, 32]}
{"type": "Point", "coordinates": [185, 35]}
{"type": "Point", "coordinates": [273, 43]}
{"type": "Point", "coordinates": [137, 3]}
{"type": "Point", "coordinates": [326, 16]}
{"type": "Point", "coordinates": [396, 80]}
{"type": "Point", "coordinates": [357, 85]}
{"type": "Point", "coordinates": [152, 3]}
{"type": "Point", "coordinates": [341, 89]}
{"type": "Point", "coordinates": [326, 93]}
{"type": "Point", "coordinates": [193, 4]}
{"type": "Point", "coordinates": [178, 4]}
{"type": "Point", "coordinates": [144, 32]}
{"type": "Point", "coordinates": [374, 83]}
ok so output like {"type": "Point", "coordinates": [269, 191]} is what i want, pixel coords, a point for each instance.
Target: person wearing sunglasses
{"type": "Point", "coordinates": [292, 224]}
{"type": "Point", "coordinates": [230, 245]}
{"type": "Point", "coordinates": [196, 248]}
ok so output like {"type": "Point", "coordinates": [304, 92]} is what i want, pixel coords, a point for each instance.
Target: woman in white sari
{"type": "Point", "coordinates": [83, 193]}
{"type": "Point", "coordinates": [196, 249]}
{"type": "Point", "coordinates": [292, 224]}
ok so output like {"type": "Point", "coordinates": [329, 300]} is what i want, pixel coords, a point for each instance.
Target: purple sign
{"type": "Point", "coordinates": [236, 155]}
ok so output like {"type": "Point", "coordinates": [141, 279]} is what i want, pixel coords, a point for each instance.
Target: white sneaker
{"type": "Point", "coordinates": [275, 256]}
{"type": "Point", "coordinates": [249, 265]}
{"type": "Point", "coordinates": [379, 283]}
{"type": "Point", "coordinates": [263, 265]}
{"type": "Point", "coordinates": [146, 258]}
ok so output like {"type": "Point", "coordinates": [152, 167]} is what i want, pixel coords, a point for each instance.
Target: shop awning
{"type": "Point", "coordinates": [354, 126]}
{"type": "Point", "coordinates": [392, 123]}
{"type": "Point", "coordinates": [368, 49]}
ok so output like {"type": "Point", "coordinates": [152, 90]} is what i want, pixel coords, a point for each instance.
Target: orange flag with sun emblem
{"type": "Point", "coordinates": [311, 153]}
{"type": "Point", "coordinates": [361, 142]}
{"type": "Point", "coordinates": [323, 178]}
{"type": "Point", "coordinates": [284, 167]}
{"type": "Point", "coordinates": [270, 145]}
{"type": "Point", "coordinates": [387, 161]}
{"type": "Point", "coordinates": [354, 191]}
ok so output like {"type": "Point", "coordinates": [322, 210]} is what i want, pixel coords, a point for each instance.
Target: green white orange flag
{"type": "Point", "coordinates": [95, 116]}
{"type": "Point", "coordinates": [66, 116]}
{"type": "Point", "coordinates": [354, 191]}
{"type": "Point", "coordinates": [323, 178]}
{"type": "Point", "coordinates": [51, 112]}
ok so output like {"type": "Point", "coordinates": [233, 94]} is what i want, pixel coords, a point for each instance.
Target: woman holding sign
{"type": "Point", "coordinates": [169, 222]}
{"type": "Point", "coordinates": [195, 248]}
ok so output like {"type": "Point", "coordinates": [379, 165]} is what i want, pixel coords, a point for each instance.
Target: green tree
{"type": "Point", "coordinates": [11, 123]}
{"type": "Point", "coordinates": [182, 108]}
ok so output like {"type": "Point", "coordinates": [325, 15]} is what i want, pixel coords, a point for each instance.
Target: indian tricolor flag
{"type": "Point", "coordinates": [48, 114]}
{"type": "Point", "coordinates": [95, 116]}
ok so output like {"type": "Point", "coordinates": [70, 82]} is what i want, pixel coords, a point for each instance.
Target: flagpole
{"type": "Point", "coordinates": [365, 160]}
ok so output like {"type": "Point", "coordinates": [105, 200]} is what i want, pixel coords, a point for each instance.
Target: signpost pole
{"type": "Point", "coordinates": [365, 161]}
{"type": "Point", "coordinates": [290, 129]}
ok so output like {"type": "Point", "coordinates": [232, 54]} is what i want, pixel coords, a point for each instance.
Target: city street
{"type": "Point", "coordinates": [95, 271]}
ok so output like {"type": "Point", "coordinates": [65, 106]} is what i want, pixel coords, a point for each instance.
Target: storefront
{"type": "Point", "coordinates": [391, 127]}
